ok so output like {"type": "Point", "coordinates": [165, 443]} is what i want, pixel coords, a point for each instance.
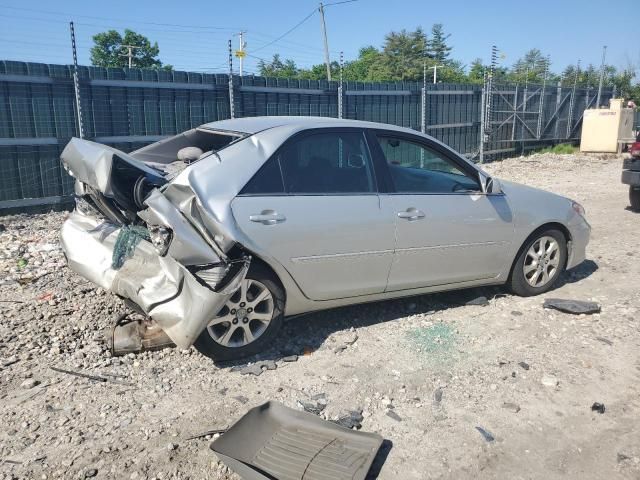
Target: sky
{"type": "Point", "coordinates": [193, 35]}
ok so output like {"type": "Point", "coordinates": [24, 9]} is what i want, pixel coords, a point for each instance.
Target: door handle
{"type": "Point", "coordinates": [268, 217]}
{"type": "Point", "coordinates": [411, 214]}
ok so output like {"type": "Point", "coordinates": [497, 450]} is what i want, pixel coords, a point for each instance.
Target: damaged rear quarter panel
{"type": "Point", "coordinates": [161, 286]}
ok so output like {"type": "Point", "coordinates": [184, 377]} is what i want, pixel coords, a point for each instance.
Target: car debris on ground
{"type": "Point", "coordinates": [273, 441]}
{"type": "Point", "coordinates": [575, 307]}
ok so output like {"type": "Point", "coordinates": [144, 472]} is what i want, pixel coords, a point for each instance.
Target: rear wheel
{"type": "Point", "coordinates": [540, 263]}
{"type": "Point", "coordinates": [634, 198]}
{"type": "Point", "coordinates": [249, 320]}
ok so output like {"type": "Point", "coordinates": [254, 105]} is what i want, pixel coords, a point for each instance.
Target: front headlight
{"type": "Point", "coordinates": [579, 209]}
{"type": "Point", "coordinates": [160, 238]}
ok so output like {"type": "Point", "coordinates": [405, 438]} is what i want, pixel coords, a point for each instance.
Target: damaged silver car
{"type": "Point", "coordinates": [219, 233]}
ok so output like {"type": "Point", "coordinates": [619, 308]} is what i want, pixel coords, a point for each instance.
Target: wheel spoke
{"type": "Point", "coordinates": [530, 268]}
{"type": "Point", "coordinates": [263, 295]}
{"type": "Point", "coordinates": [218, 320]}
{"type": "Point", "coordinates": [262, 317]}
{"type": "Point", "coordinates": [244, 288]}
{"type": "Point", "coordinates": [545, 277]}
{"type": "Point", "coordinates": [248, 334]}
{"type": "Point", "coordinates": [533, 280]}
{"type": "Point", "coordinates": [224, 339]}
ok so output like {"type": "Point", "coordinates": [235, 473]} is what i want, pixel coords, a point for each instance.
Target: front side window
{"type": "Point", "coordinates": [327, 163]}
{"type": "Point", "coordinates": [415, 168]}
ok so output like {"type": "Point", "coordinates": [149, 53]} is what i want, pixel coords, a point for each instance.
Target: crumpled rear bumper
{"type": "Point", "coordinates": [162, 287]}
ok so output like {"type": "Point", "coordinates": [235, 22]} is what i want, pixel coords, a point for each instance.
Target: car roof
{"type": "Point", "coordinates": [251, 125]}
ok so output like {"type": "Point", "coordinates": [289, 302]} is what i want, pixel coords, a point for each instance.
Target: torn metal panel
{"type": "Point", "coordinates": [92, 163]}
{"type": "Point", "coordinates": [189, 246]}
{"type": "Point", "coordinates": [163, 288]}
{"type": "Point", "coordinates": [134, 336]}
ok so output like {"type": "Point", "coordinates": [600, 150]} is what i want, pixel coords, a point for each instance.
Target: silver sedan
{"type": "Point", "coordinates": [220, 232]}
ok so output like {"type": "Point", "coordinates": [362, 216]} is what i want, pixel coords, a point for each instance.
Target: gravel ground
{"type": "Point", "coordinates": [425, 371]}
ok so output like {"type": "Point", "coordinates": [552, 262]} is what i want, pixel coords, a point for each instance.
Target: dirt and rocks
{"type": "Point", "coordinates": [459, 390]}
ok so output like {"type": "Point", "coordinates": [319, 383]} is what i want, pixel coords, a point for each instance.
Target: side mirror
{"type": "Point", "coordinates": [490, 185]}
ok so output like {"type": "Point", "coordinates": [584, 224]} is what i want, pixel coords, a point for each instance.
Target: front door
{"type": "Point", "coordinates": [314, 207]}
{"type": "Point", "coordinates": [448, 231]}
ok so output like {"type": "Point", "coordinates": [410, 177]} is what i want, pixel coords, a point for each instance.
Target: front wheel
{"type": "Point", "coordinates": [539, 264]}
{"type": "Point", "coordinates": [634, 198]}
{"type": "Point", "coordinates": [249, 320]}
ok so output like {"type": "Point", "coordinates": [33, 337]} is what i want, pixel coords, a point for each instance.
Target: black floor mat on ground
{"type": "Point", "coordinates": [276, 442]}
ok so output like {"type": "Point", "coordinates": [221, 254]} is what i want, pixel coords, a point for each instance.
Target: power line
{"type": "Point", "coordinates": [287, 32]}
{"type": "Point", "coordinates": [111, 19]}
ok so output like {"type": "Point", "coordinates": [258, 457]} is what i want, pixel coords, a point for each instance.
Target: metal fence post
{"type": "Point", "coordinates": [572, 103]}
{"type": "Point", "coordinates": [556, 126]}
{"type": "Point", "coordinates": [340, 91]}
{"type": "Point", "coordinates": [524, 109]}
{"type": "Point", "coordinates": [76, 81]}
{"type": "Point", "coordinates": [423, 99]}
{"type": "Point", "coordinates": [515, 113]}
{"type": "Point", "coordinates": [541, 102]}
{"type": "Point", "coordinates": [482, 121]}
{"type": "Point", "coordinates": [231, 101]}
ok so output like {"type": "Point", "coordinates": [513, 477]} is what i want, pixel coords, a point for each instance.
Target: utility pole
{"type": "Point", "coordinates": [326, 42]}
{"type": "Point", "coordinates": [435, 72]}
{"type": "Point", "coordinates": [604, 53]}
{"type": "Point", "coordinates": [129, 53]}
{"type": "Point", "coordinates": [240, 53]}
{"type": "Point", "coordinates": [76, 81]}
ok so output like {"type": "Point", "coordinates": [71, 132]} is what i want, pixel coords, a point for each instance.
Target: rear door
{"type": "Point", "coordinates": [448, 230]}
{"type": "Point", "coordinates": [314, 207]}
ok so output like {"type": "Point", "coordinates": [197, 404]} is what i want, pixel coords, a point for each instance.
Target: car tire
{"type": "Point", "coordinates": [211, 341]}
{"type": "Point", "coordinates": [527, 274]}
{"type": "Point", "coordinates": [634, 198]}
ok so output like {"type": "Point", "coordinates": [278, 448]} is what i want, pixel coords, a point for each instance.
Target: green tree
{"type": "Point", "coordinates": [319, 72]}
{"type": "Point", "coordinates": [529, 68]}
{"type": "Point", "coordinates": [363, 68]}
{"type": "Point", "coordinates": [403, 54]}
{"type": "Point", "coordinates": [277, 68]}
{"type": "Point", "coordinates": [476, 71]}
{"type": "Point", "coordinates": [109, 50]}
{"type": "Point", "coordinates": [437, 47]}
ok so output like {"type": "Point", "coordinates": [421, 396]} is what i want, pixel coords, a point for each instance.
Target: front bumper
{"type": "Point", "coordinates": [580, 234]}
{"type": "Point", "coordinates": [631, 178]}
{"type": "Point", "coordinates": [162, 287]}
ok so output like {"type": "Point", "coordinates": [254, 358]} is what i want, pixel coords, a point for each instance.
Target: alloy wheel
{"type": "Point", "coordinates": [246, 315]}
{"type": "Point", "coordinates": [542, 261]}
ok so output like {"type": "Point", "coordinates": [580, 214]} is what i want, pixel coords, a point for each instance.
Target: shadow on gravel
{"type": "Point", "coordinates": [306, 333]}
{"type": "Point", "coordinates": [578, 273]}
{"type": "Point", "coordinates": [378, 462]}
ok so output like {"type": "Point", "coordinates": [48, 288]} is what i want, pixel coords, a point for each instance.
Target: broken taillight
{"type": "Point", "coordinates": [160, 238]}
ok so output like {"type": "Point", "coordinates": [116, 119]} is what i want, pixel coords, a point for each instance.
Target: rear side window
{"type": "Point", "coordinates": [327, 163]}
{"type": "Point", "coordinates": [266, 181]}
